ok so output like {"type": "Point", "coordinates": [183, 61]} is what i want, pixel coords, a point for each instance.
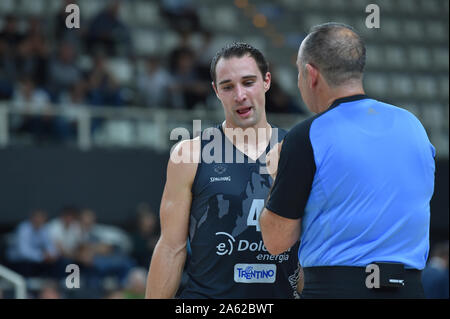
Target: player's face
{"type": "Point", "coordinates": [241, 89]}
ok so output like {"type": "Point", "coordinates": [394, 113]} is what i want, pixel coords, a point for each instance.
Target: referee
{"type": "Point", "coordinates": [354, 182]}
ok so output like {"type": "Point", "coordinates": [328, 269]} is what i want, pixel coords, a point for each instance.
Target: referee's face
{"type": "Point", "coordinates": [241, 89]}
{"type": "Point", "coordinates": [304, 84]}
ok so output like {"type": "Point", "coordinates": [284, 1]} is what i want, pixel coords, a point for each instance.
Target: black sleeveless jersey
{"type": "Point", "coordinates": [227, 256]}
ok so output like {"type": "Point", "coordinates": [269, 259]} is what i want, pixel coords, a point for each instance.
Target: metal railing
{"type": "Point", "coordinates": [160, 122]}
{"type": "Point", "coordinates": [149, 127]}
{"type": "Point", "coordinates": [16, 280]}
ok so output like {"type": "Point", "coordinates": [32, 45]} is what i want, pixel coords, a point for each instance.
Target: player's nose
{"type": "Point", "coordinates": [240, 94]}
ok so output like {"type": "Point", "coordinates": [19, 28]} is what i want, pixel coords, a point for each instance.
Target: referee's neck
{"type": "Point", "coordinates": [339, 93]}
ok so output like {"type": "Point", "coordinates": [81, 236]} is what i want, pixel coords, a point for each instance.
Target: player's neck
{"type": "Point", "coordinates": [261, 130]}
{"type": "Point", "coordinates": [252, 140]}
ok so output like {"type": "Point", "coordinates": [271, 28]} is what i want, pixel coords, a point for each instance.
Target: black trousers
{"type": "Point", "coordinates": [350, 283]}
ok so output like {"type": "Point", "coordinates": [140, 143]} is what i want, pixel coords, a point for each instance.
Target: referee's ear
{"type": "Point", "coordinates": [313, 76]}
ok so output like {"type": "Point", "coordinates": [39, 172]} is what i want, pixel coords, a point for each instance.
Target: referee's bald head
{"type": "Point", "coordinates": [336, 50]}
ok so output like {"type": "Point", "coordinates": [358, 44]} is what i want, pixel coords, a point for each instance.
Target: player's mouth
{"type": "Point", "coordinates": [244, 112]}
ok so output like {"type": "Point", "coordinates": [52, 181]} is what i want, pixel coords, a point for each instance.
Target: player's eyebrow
{"type": "Point", "coordinates": [245, 77]}
{"type": "Point", "coordinates": [249, 77]}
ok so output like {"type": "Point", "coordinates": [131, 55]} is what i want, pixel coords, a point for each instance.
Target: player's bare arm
{"type": "Point", "coordinates": [170, 252]}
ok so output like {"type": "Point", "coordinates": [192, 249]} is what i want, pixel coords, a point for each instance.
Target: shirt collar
{"type": "Point", "coordinates": [347, 99]}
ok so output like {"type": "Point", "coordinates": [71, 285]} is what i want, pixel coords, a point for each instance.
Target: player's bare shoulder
{"type": "Point", "coordinates": [184, 159]}
{"type": "Point", "coordinates": [186, 152]}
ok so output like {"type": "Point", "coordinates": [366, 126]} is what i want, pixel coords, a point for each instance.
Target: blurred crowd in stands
{"type": "Point", "coordinates": [112, 261]}
{"type": "Point", "coordinates": [43, 62]}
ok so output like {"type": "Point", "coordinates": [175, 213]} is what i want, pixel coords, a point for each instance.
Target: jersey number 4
{"type": "Point", "coordinates": [255, 211]}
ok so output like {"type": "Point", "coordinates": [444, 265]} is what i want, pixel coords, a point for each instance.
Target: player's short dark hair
{"type": "Point", "coordinates": [239, 49]}
{"type": "Point", "coordinates": [337, 50]}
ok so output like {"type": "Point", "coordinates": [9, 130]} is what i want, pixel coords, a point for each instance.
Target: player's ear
{"type": "Point", "coordinates": [267, 80]}
{"type": "Point", "coordinates": [214, 88]}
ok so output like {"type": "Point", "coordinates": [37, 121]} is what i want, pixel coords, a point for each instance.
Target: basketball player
{"type": "Point", "coordinates": [215, 205]}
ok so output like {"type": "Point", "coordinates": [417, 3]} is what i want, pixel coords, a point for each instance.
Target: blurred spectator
{"type": "Point", "coordinates": [145, 236]}
{"type": "Point", "coordinates": [65, 232]}
{"type": "Point", "coordinates": [107, 33]}
{"type": "Point", "coordinates": [73, 98]}
{"type": "Point", "coordinates": [103, 88]}
{"type": "Point", "coordinates": [278, 101]}
{"type": "Point", "coordinates": [7, 74]}
{"type": "Point", "coordinates": [10, 38]}
{"type": "Point", "coordinates": [135, 284]}
{"type": "Point", "coordinates": [153, 84]}
{"type": "Point", "coordinates": [70, 101]}
{"type": "Point", "coordinates": [103, 234]}
{"type": "Point", "coordinates": [435, 277]}
{"type": "Point", "coordinates": [205, 53]}
{"type": "Point", "coordinates": [188, 88]}
{"type": "Point", "coordinates": [28, 98]}
{"type": "Point", "coordinates": [181, 14]}
{"type": "Point", "coordinates": [64, 72]}
{"type": "Point", "coordinates": [32, 253]}
{"type": "Point", "coordinates": [49, 290]}
{"type": "Point", "coordinates": [103, 251]}
{"type": "Point", "coordinates": [34, 52]}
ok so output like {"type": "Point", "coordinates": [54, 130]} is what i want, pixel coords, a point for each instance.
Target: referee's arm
{"type": "Point", "coordinates": [279, 233]}
{"type": "Point", "coordinates": [280, 220]}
